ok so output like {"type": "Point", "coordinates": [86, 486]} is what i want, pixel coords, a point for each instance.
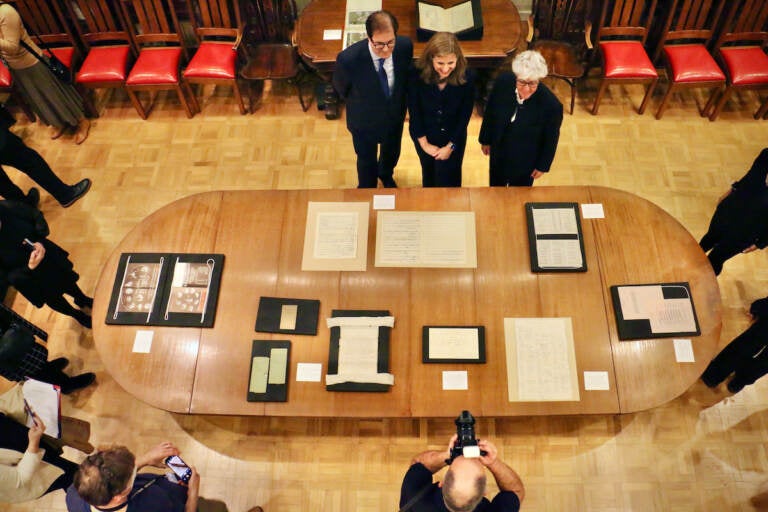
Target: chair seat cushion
{"type": "Point", "coordinates": [156, 66]}
{"type": "Point", "coordinates": [64, 54]}
{"type": "Point", "coordinates": [5, 76]}
{"type": "Point", "coordinates": [746, 65]}
{"type": "Point", "coordinates": [626, 59]}
{"type": "Point", "coordinates": [104, 64]}
{"type": "Point", "coordinates": [692, 63]}
{"type": "Point", "coordinates": [212, 60]}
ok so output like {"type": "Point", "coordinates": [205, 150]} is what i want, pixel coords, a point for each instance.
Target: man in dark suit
{"type": "Point", "coordinates": [371, 76]}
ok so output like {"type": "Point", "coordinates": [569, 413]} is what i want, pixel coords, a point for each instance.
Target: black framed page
{"type": "Point", "coordinates": [453, 344]}
{"type": "Point", "coordinates": [270, 361]}
{"type": "Point", "coordinates": [654, 311]}
{"type": "Point", "coordinates": [555, 239]}
{"type": "Point", "coordinates": [343, 376]}
{"type": "Point", "coordinates": [166, 289]}
{"type": "Point", "coordinates": [287, 316]}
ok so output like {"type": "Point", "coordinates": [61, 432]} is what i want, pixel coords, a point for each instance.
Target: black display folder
{"type": "Point", "coordinates": [654, 311]}
{"type": "Point", "coordinates": [169, 289]}
{"type": "Point", "coordinates": [425, 344]}
{"type": "Point", "coordinates": [302, 315]}
{"type": "Point", "coordinates": [273, 387]}
{"type": "Point", "coordinates": [557, 238]}
{"type": "Point", "coordinates": [333, 353]}
{"type": "Point", "coordinates": [473, 33]}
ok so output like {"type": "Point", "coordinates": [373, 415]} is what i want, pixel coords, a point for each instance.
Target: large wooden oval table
{"type": "Point", "coordinates": [205, 371]}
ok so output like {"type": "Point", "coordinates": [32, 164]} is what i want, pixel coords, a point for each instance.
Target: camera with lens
{"type": "Point", "coordinates": [466, 442]}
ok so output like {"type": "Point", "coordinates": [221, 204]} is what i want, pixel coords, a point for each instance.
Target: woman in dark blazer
{"type": "Point", "coordinates": [521, 123]}
{"type": "Point", "coordinates": [41, 271]}
{"type": "Point", "coordinates": [441, 94]}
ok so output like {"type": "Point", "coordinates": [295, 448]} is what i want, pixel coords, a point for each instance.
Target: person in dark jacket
{"type": "Point", "coordinates": [441, 94]}
{"type": "Point", "coordinates": [38, 268]}
{"type": "Point", "coordinates": [745, 357]}
{"type": "Point", "coordinates": [740, 221]}
{"type": "Point", "coordinates": [371, 77]}
{"type": "Point", "coordinates": [521, 123]}
{"type": "Point", "coordinates": [15, 153]}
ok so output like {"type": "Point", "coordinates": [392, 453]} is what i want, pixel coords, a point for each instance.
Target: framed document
{"type": "Point", "coordinates": [453, 344]}
{"type": "Point", "coordinates": [554, 236]}
{"type": "Point", "coordinates": [270, 361]}
{"type": "Point", "coordinates": [336, 236]}
{"type": "Point", "coordinates": [654, 311]}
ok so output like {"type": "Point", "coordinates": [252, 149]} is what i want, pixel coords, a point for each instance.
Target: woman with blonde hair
{"type": "Point", "coordinates": [441, 95]}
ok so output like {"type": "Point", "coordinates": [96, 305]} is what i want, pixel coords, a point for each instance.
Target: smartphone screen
{"type": "Point", "coordinates": [179, 467]}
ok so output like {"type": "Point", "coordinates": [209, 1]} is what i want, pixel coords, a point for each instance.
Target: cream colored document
{"type": "Point", "coordinates": [336, 236]}
{"type": "Point", "coordinates": [426, 239]}
{"type": "Point", "coordinates": [541, 360]}
{"type": "Point", "coordinates": [359, 350]}
{"type": "Point", "coordinates": [665, 315]}
{"type": "Point", "coordinates": [449, 343]}
{"type": "Point", "coordinates": [558, 253]}
{"type": "Point", "coordinates": [438, 19]}
{"type": "Point", "coordinates": [555, 221]}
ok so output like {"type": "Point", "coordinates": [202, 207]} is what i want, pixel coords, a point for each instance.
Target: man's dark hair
{"type": "Point", "coordinates": [380, 20]}
{"type": "Point", "coordinates": [104, 475]}
{"type": "Point", "coordinates": [449, 481]}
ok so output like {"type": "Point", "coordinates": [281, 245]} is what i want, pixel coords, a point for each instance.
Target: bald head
{"type": "Point", "coordinates": [464, 484]}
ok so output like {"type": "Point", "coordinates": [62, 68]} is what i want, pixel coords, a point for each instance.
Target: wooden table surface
{"type": "Point", "coordinates": [502, 32]}
{"type": "Point", "coordinates": [205, 371]}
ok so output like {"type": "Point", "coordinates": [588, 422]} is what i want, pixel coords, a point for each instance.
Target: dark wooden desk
{"type": "Point", "coordinates": [261, 233]}
{"type": "Point", "coordinates": [502, 32]}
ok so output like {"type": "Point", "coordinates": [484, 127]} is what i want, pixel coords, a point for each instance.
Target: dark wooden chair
{"type": "Point", "coordinates": [621, 37]}
{"type": "Point", "coordinates": [219, 31]}
{"type": "Point", "coordinates": [155, 31]}
{"type": "Point", "coordinates": [561, 30]}
{"type": "Point", "coordinates": [109, 48]}
{"type": "Point", "coordinates": [689, 29]}
{"type": "Point", "coordinates": [740, 49]}
{"type": "Point", "coordinates": [274, 56]}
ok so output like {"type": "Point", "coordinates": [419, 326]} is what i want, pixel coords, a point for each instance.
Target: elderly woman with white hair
{"type": "Point", "coordinates": [521, 124]}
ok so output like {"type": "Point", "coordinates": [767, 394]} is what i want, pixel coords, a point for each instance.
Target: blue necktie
{"type": "Point", "coordinates": [383, 78]}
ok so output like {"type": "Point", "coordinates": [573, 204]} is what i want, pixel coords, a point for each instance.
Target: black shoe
{"type": "Point", "coordinates": [78, 382]}
{"type": "Point", "coordinates": [59, 363]}
{"type": "Point", "coordinates": [388, 181]}
{"type": "Point", "coordinates": [83, 319]}
{"type": "Point", "coordinates": [87, 302]}
{"type": "Point", "coordinates": [735, 387]}
{"type": "Point", "coordinates": [78, 190]}
{"type": "Point", "coordinates": [33, 197]}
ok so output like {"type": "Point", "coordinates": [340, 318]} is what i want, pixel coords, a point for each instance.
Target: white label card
{"type": "Point", "coordinates": [309, 372]}
{"type": "Point", "coordinates": [142, 342]}
{"type": "Point", "coordinates": [455, 380]}
{"type": "Point", "coordinates": [592, 211]}
{"type": "Point", "coordinates": [684, 351]}
{"type": "Point", "coordinates": [596, 381]}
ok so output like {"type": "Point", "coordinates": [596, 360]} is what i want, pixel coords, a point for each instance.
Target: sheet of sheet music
{"type": "Point", "coordinates": [541, 361]}
{"type": "Point", "coordinates": [558, 253]}
{"type": "Point", "coordinates": [447, 343]}
{"type": "Point", "coordinates": [555, 221]}
{"type": "Point", "coordinates": [336, 235]}
{"type": "Point", "coordinates": [426, 239]}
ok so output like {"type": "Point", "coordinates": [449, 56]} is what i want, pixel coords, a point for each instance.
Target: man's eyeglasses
{"type": "Point", "coordinates": [380, 46]}
{"type": "Point", "coordinates": [529, 84]}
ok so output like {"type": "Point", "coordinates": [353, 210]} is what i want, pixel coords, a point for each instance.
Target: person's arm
{"type": "Point", "coordinates": [549, 136]}
{"type": "Point", "coordinates": [193, 491]}
{"type": "Point", "coordinates": [492, 110]}
{"type": "Point", "coordinates": [19, 475]}
{"type": "Point", "coordinates": [340, 79]}
{"type": "Point", "coordinates": [506, 477]}
{"type": "Point", "coordinates": [156, 455]}
{"type": "Point", "coordinates": [466, 105]}
{"type": "Point", "coordinates": [10, 26]}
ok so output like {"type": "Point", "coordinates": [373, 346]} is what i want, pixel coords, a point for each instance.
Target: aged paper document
{"type": "Point", "coordinates": [448, 343]}
{"type": "Point", "coordinates": [555, 221]}
{"type": "Point", "coordinates": [665, 315]}
{"type": "Point", "coordinates": [438, 19]}
{"type": "Point", "coordinates": [541, 360]}
{"type": "Point", "coordinates": [336, 236]}
{"type": "Point", "coordinates": [426, 239]}
{"type": "Point", "coordinates": [559, 253]}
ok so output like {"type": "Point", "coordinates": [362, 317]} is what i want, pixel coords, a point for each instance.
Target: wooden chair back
{"type": "Point", "coordinates": [216, 18]}
{"type": "Point", "coordinates": [98, 22]}
{"type": "Point", "coordinates": [562, 20]}
{"type": "Point", "coordinates": [270, 20]}
{"type": "Point", "coordinates": [152, 22]}
{"type": "Point", "coordinates": [747, 22]}
{"type": "Point", "coordinates": [690, 21]}
{"type": "Point", "coordinates": [44, 19]}
{"type": "Point", "coordinates": [626, 19]}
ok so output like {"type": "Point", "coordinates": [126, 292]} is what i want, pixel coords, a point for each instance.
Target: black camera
{"type": "Point", "coordinates": [466, 442]}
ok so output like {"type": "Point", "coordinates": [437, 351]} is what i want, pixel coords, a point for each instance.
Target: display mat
{"type": "Point", "coordinates": [383, 353]}
{"type": "Point", "coordinates": [287, 316]}
{"type": "Point", "coordinates": [179, 290]}
{"type": "Point", "coordinates": [654, 311]}
{"type": "Point", "coordinates": [555, 239]}
{"type": "Point", "coordinates": [268, 378]}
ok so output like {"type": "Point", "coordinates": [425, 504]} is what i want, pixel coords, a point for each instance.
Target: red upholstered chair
{"type": "Point", "coordinates": [156, 33]}
{"type": "Point", "coordinates": [741, 51]}
{"type": "Point", "coordinates": [621, 37]}
{"type": "Point", "coordinates": [219, 31]}
{"type": "Point", "coordinates": [6, 87]}
{"type": "Point", "coordinates": [109, 46]}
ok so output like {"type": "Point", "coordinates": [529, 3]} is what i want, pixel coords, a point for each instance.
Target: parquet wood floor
{"type": "Point", "coordinates": [705, 451]}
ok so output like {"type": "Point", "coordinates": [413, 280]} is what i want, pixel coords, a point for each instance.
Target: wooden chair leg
{"type": "Point", "coordinates": [190, 104]}
{"type": "Point", "coordinates": [664, 100]}
{"type": "Point", "coordinates": [239, 97]}
{"type": "Point", "coordinates": [600, 91]}
{"type": "Point", "coordinates": [136, 103]}
{"type": "Point", "coordinates": [572, 83]}
{"type": "Point", "coordinates": [647, 96]}
{"type": "Point", "coordinates": [711, 100]}
{"type": "Point", "coordinates": [723, 98]}
{"type": "Point", "coordinates": [762, 111]}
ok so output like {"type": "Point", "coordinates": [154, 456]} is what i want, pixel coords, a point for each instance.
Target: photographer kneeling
{"type": "Point", "coordinates": [463, 487]}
